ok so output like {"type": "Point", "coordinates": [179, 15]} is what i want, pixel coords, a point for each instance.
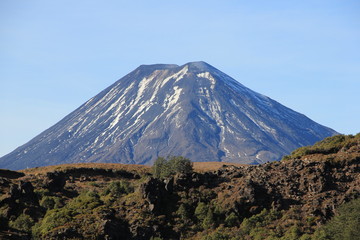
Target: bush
{"type": "Point", "coordinates": [22, 223]}
{"type": "Point", "coordinates": [164, 168]}
{"type": "Point", "coordinates": [183, 212]}
{"type": "Point", "coordinates": [201, 211]}
{"type": "Point", "coordinates": [208, 221]}
{"type": "Point", "coordinates": [85, 203]}
{"type": "Point", "coordinates": [52, 219]}
{"type": "Point", "coordinates": [50, 202]}
{"type": "Point", "coordinates": [231, 220]}
{"type": "Point", "coordinates": [293, 233]}
{"type": "Point", "coordinates": [118, 188]}
{"type": "Point", "coordinates": [217, 235]}
{"type": "Point", "coordinates": [256, 223]}
{"type": "Point", "coordinates": [345, 225]}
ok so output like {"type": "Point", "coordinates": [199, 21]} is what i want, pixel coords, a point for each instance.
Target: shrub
{"type": "Point", "coordinates": [52, 219]}
{"type": "Point", "coordinates": [217, 235]}
{"type": "Point", "coordinates": [118, 188]}
{"type": "Point", "coordinates": [84, 202]}
{"type": "Point", "coordinates": [231, 220]}
{"type": "Point", "coordinates": [255, 223]}
{"type": "Point", "coordinates": [22, 223]}
{"type": "Point", "coordinates": [345, 225]}
{"type": "Point", "coordinates": [201, 211]}
{"type": "Point", "coordinates": [50, 202]}
{"type": "Point", "coordinates": [208, 221]}
{"type": "Point", "coordinates": [293, 233]}
{"type": "Point", "coordinates": [183, 212]}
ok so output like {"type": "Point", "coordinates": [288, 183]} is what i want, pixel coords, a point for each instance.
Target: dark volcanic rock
{"type": "Point", "coordinates": [55, 181]}
{"type": "Point", "coordinates": [156, 195]}
{"type": "Point", "coordinates": [4, 173]}
{"type": "Point", "coordinates": [317, 186]}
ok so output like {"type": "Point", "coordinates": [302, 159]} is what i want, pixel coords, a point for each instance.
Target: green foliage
{"type": "Point", "coordinates": [118, 188]}
{"type": "Point", "coordinates": [160, 168]}
{"type": "Point", "coordinates": [305, 237]}
{"type": "Point", "coordinates": [345, 225]}
{"type": "Point", "coordinates": [293, 233]}
{"type": "Point", "coordinates": [208, 221]}
{"type": "Point", "coordinates": [231, 220]}
{"type": "Point", "coordinates": [327, 146]}
{"type": "Point", "coordinates": [183, 212]}
{"type": "Point", "coordinates": [180, 164]}
{"type": "Point", "coordinates": [255, 225]}
{"type": "Point", "coordinates": [219, 234]}
{"type": "Point", "coordinates": [52, 219]}
{"type": "Point", "coordinates": [50, 202]}
{"type": "Point", "coordinates": [85, 203]}
{"type": "Point", "coordinates": [201, 211]}
{"type": "Point", "coordinates": [42, 192]}
{"type": "Point", "coordinates": [22, 223]}
{"type": "Point", "coordinates": [164, 168]}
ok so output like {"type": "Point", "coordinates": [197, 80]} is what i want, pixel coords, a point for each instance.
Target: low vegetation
{"type": "Point", "coordinates": [345, 225]}
{"type": "Point", "coordinates": [330, 145]}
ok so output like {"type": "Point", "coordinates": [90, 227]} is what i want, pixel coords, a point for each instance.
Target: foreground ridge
{"type": "Point", "coordinates": [290, 199]}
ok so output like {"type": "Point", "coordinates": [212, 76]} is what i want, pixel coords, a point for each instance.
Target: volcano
{"type": "Point", "coordinates": [193, 110]}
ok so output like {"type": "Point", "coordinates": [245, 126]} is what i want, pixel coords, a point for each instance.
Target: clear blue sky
{"type": "Point", "coordinates": [55, 55]}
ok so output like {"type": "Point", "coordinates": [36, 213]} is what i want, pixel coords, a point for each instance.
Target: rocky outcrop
{"type": "Point", "coordinates": [55, 181]}
{"type": "Point", "coordinates": [317, 186]}
{"type": "Point", "coordinates": [156, 193]}
{"type": "Point", "coordinates": [20, 198]}
{"type": "Point", "coordinates": [4, 173]}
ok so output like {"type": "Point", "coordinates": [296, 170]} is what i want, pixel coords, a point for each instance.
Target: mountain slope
{"type": "Point", "coordinates": [192, 110]}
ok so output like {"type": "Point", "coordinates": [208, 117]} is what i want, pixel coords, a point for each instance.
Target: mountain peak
{"type": "Point", "coordinates": [199, 66]}
{"type": "Point", "coordinates": [157, 66]}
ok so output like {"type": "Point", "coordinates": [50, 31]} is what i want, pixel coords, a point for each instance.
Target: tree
{"type": "Point", "coordinates": [160, 167]}
{"type": "Point", "coordinates": [164, 168]}
{"type": "Point", "coordinates": [180, 164]}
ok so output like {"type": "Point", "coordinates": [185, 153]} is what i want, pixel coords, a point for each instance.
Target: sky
{"type": "Point", "coordinates": [55, 55]}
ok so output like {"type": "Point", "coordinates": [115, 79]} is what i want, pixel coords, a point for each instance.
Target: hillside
{"type": "Point", "coordinates": [290, 199]}
{"type": "Point", "coordinates": [193, 110]}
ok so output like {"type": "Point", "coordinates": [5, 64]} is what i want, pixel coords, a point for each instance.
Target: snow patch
{"type": "Point", "coordinates": [173, 99]}
{"type": "Point", "coordinates": [208, 76]}
{"type": "Point", "coordinates": [177, 76]}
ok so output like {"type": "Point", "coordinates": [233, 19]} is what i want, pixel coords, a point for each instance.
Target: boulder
{"type": "Point", "coordinates": [55, 181]}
